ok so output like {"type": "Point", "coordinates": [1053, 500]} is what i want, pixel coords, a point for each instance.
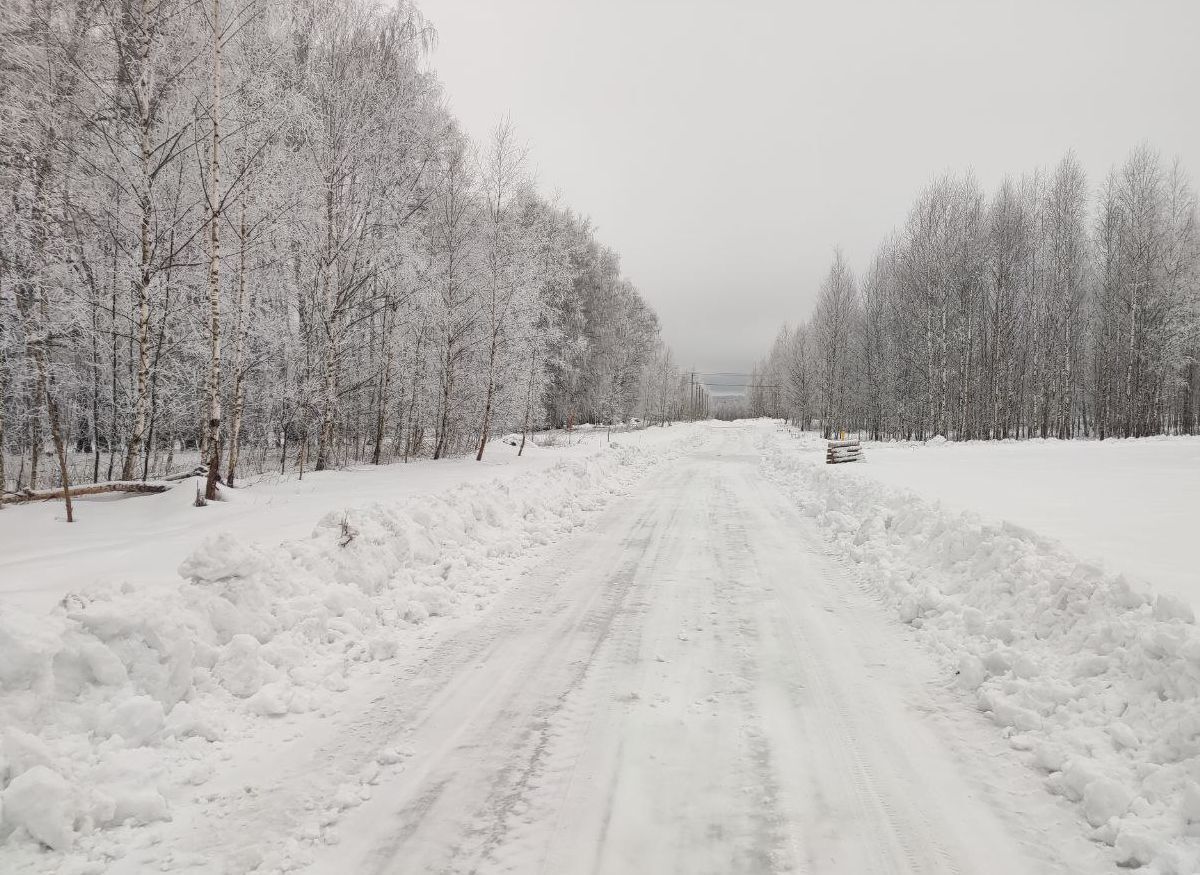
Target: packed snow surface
{"type": "Point", "coordinates": [695, 649]}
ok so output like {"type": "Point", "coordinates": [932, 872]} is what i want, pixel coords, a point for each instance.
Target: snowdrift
{"type": "Point", "coordinates": [113, 703]}
{"type": "Point", "coordinates": [1097, 683]}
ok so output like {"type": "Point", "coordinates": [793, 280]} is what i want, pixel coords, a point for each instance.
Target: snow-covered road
{"type": "Point", "coordinates": [693, 650]}
{"type": "Point", "coordinates": [688, 685]}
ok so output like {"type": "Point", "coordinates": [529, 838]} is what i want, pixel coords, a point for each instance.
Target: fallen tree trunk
{"type": "Point", "coordinates": [198, 471]}
{"type": "Point", "coordinates": [135, 486]}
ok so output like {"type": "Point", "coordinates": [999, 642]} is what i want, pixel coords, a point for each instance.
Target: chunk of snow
{"type": "Point", "coordinates": [971, 672]}
{"type": "Point", "coordinates": [27, 646]}
{"type": "Point", "coordinates": [271, 700]}
{"type": "Point", "coordinates": [239, 668]}
{"type": "Point", "coordinates": [187, 720]}
{"type": "Point", "coordinates": [1136, 847]}
{"type": "Point", "coordinates": [41, 801]}
{"type": "Point", "coordinates": [221, 557]}
{"type": "Point", "coordinates": [1123, 736]}
{"type": "Point", "coordinates": [138, 720]}
{"type": "Point", "coordinates": [21, 752]}
{"type": "Point", "coordinates": [1189, 803]}
{"type": "Point", "coordinates": [1170, 608]}
{"type": "Point", "coordinates": [1104, 798]}
{"type": "Point", "coordinates": [106, 667]}
{"type": "Point", "coordinates": [140, 806]}
{"type": "Point", "coordinates": [383, 647]}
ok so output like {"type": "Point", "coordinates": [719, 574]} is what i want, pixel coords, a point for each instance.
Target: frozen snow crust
{"type": "Point", "coordinates": [1098, 683]}
{"type": "Point", "coordinates": [114, 703]}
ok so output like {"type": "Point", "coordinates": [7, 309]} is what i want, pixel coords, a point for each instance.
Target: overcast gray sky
{"type": "Point", "coordinates": [724, 149]}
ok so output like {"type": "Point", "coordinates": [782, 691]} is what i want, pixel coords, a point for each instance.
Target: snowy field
{"type": "Point", "coordinates": [1132, 505]}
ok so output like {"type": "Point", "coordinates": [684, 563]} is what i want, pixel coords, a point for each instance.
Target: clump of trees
{"type": "Point", "coordinates": [1044, 310]}
{"type": "Point", "coordinates": [251, 229]}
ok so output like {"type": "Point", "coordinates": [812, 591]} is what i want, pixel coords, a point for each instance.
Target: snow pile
{"type": "Point", "coordinates": [1128, 503]}
{"type": "Point", "coordinates": [1097, 682]}
{"type": "Point", "coordinates": [110, 704]}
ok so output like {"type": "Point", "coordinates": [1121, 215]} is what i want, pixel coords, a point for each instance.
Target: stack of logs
{"type": "Point", "coordinates": [843, 451]}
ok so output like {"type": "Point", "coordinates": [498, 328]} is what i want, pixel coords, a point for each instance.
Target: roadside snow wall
{"type": "Point", "coordinates": [108, 705]}
{"type": "Point", "coordinates": [1099, 684]}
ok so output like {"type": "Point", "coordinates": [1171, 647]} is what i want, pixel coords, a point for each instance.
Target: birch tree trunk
{"type": "Point", "coordinates": [330, 280]}
{"type": "Point", "coordinates": [239, 356]}
{"type": "Point", "coordinates": [1131, 350]}
{"type": "Point", "coordinates": [385, 378]}
{"type": "Point", "coordinates": [529, 400]}
{"type": "Point", "coordinates": [490, 396]}
{"type": "Point", "coordinates": [113, 354]}
{"type": "Point", "coordinates": [145, 204]}
{"type": "Point", "coordinates": [59, 446]}
{"type": "Point", "coordinates": [36, 440]}
{"type": "Point", "coordinates": [410, 444]}
{"type": "Point", "coordinates": [214, 267]}
{"type": "Point", "coordinates": [442, 438]}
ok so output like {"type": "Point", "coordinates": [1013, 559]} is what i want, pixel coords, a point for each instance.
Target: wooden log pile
{"type": "Point", "coordinates": [843, 451]}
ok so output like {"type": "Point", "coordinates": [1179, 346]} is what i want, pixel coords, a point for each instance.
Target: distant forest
{"type": "Point", "coordinates": [1047, 310]}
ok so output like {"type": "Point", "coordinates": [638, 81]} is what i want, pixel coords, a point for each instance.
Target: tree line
{"type": "Point", "coordinates": [1045, 310]}
{"type": "Point", "coordinates": [251, 229]}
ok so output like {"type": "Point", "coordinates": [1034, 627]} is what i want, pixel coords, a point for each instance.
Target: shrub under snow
{"type": "Point", "coordinates": [1098, 682]}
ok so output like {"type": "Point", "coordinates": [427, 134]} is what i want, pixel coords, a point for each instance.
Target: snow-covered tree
{"type": "Point", "coordinates": [249, 232]}
{"type": "Point", "coordinates": [1035, 312]}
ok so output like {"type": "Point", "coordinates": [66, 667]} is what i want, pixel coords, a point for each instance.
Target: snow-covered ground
{"type": "Point", "coordinates": [140, 540]}
{"type": "Point", "coordinates": [1133, 505]}
{"type": "Point", "coordinates": [131, 691]}
{"type": "Point", "coordinates": [1094, 677]}
{"type": "Point", "coordinates": [698, 649]}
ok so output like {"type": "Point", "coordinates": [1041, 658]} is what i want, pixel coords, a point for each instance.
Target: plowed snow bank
{"type": "Point", "coordinates": [1099, 683]}
{"type": "Point", "coordinates": [1130, 504]}
{"type": "Point", "coordinates": [120, 698]}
